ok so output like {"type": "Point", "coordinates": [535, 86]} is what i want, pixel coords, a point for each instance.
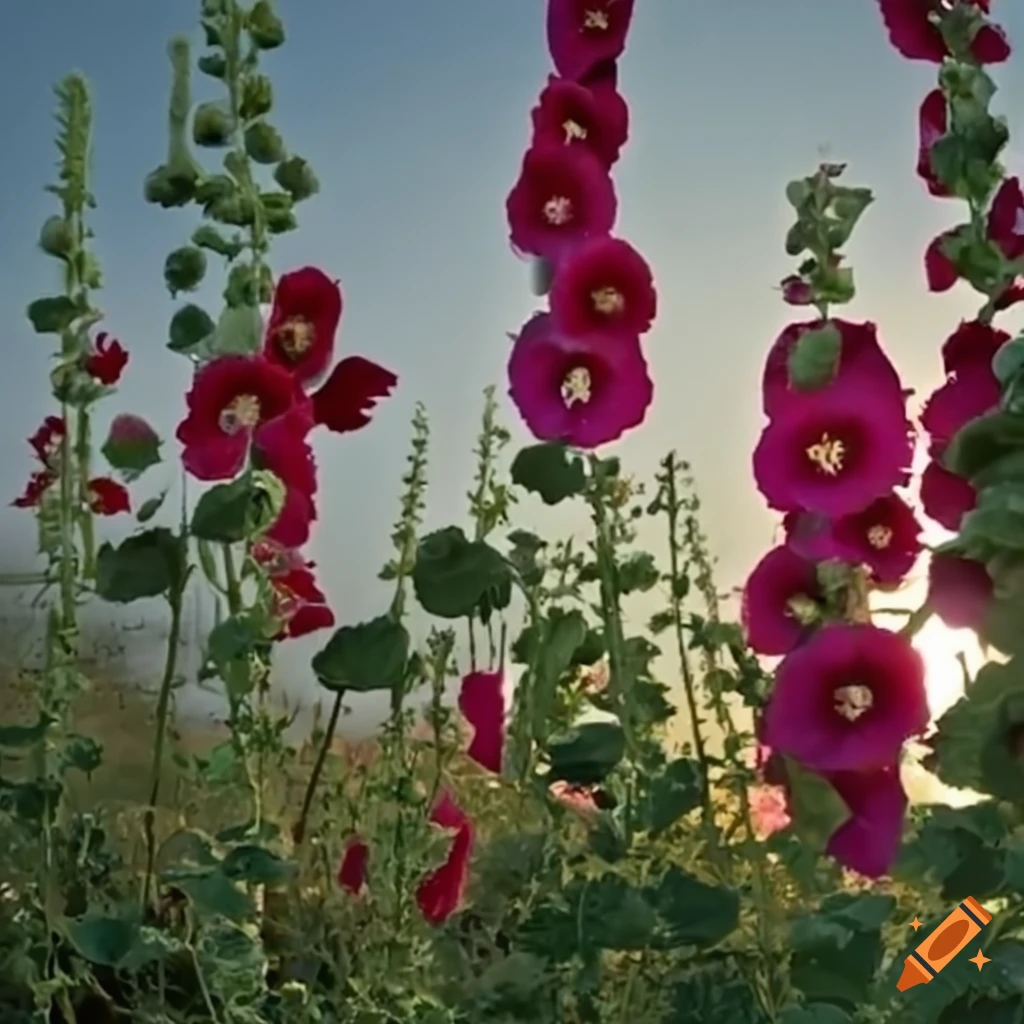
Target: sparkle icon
{"type": "Point", "coordinates": [915, 924]}
{"type": "Point", "coordinates": [980, 960]}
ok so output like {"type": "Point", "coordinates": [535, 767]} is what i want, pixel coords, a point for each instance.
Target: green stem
{"type": "Point", "coordinates": [299, 829]}
{"type": "Point", "coordinates": [83, 452]}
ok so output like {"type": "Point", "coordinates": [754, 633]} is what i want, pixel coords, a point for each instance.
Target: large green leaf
{"type": "Point", "coordinates": [550, 470]}
{"type": "Point", "coordinates": [691, 912]}
{"type": "Point", "coordinates": [585, 754]}
{"type": "Point", "coordinates": [370, 656]}
{"type": "Point", "coordinates": [145, 565]}
{"type": "Point", "coordinates": [452, 574]}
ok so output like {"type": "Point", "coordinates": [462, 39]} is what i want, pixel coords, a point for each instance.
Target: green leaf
{"type": "Point", "coordinates": [239, 331]}
{"type": "Point", "coordinates": [982, 441]}
{"type": "Point", "coordinates": [816, 808]}
{"type": "Point", "coordinates": [105, 941]}
{"type": "Point", "coordinates": [452, 574]}
{"type": "Point", "coordinates": [370, 656]}
{"type": "Point", "coordinates": [52, 315]}
{"type": "Point", "coordinates": [847, 207]}
{"type": "Point", "coordinates": [190, 328]}
{"type": "Point", "coordinates": [214, 894]}
{"type": "Point", "coordinates": [563, 634]}
{"type": "Point", "coordinates": [240, 510]}
{"type": "Point", "coordinates": [82, 753]}
{"type": "Point", "coordinates": [1008, 362]}
{"type": "Point", "coordinates": [816, 1013]}
{"type": "Point", "coordinates": [150, 507]}
{"type": "Point", "coordinates": [638, 573]}
{"type": "Point", "coordinates": [690, 912]}
{"type": "Point", "coordinates": [206, 236]}
{"type": "Point", "coordinates": [257, 866]}
{"type": "Point", "coordinates": [585, 754]}
{"type": "Point", "coordinates": [146, 565]}
{"type": "Point", "coordinates": [265, 27]}
{"type": "Point", "coordinates": [17, 737]}
{"type": "Point", "coordinates": [667, 796]}
{"type": "Point", "coordinates": [813, 359]}
{"type": "Point", "coordinates": [230, 647]}
{"type": "Point", "coordinates": [550, 470]}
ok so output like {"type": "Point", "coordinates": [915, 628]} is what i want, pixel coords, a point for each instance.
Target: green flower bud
{"type": "Point", "coordinates": [257, 97]}
{"type": "Point", "coordinates": [71, 384]}
{"type": "Point", "coordinates": [168, 189]}
{"type": "Point", "coordinates": [217, 186]}
{"type": "Point", "coordinates": [295, 176]}
{"type": "Point", "coordinates": [189, 327]}
{"type": "Point", "coordinates": [241, 289]}
{"type": "Point", "coordinates": [211, 125]}
{"type": "Point", "coordinates": [56, 237]}
{"type": "Point", "coordinates": [278, 212]}
{"type": "Point", "coordinates": [266, 284]}
{"type": "Point", "coordinates": [265, 27]}
{"type": "Point", "coordinates": [237, 210]}
{"type": "Point", "coordinates": [263, 143]}
{"type": "Point", "coordinates": [184, 269]}
{"type": "Point", "coordinates": [213, 64]}
{"type": "Point", "coordinates": [206, 236]}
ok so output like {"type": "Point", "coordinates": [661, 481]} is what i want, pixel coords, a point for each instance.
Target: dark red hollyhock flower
{"type": "Point", "coordinates": [352, 869]}
{"type": "Point", "coordinates": [932, 122]}
{"type": "Point", "coordinates": [604, 286]}
{"type": "Point", "coordinates": [230, 404]}
{"type": "Point", "coordinates": [592, 116]}
{"type": "Point", "coordinates": [107, 361]}
{"type": "Point", "coordinates": [916, 37]}
{"type": "Point", "coordinates": [810, 536]}
{"type": "Point", "coordinates": [584, 34]}
{"type": "Point", "coordinates": [440, 893]}
{"type": "Point", "coordinates": [869, 841]}
{"type": "Point", "coordinates": [782, 600]}
{"type": "Point", "coordinates": [563, 196]}
{"type": "Point", "coordinates": [107, 497]}
{"type": "Point", "coordinates": [860, 356]}
{"type": "Point", "coordinates": [1006, 219]}
{"type": "Point", "coordinates": [946, 497]}
{"type": "Point", "coordinates": [1010, 295]}
{"type": "Point", "coordinates": [349, 395]}
{"type": "Point", "coordinates": [939, 270]}
{"type": "Point", "coordinates": [959, 591]}
{"type": "Point", "coordinates": [482, 703]}
{"type": "Point", "coordinates": [886, 537]}
{"type": "Point", "coordinates": [46, 441]}
{"type": "Point", "coordinates": [303, 323]}
{"type": "Point", "coordinates": [298, 602]}
{"type": "Point", "coordinates": [972, 345]}
{"type": "Point", "coordinates": [38, 484]}
{"type": "Point", "coordinates": [283, 450]}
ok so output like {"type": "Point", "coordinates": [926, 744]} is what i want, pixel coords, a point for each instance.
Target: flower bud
{"type": "Point", "coordinates": [190, 327]}
{"type": "Point", "coordinates": [278, 212]}
{"type": "Point", "coordinates": [56, 237]}
{"type": "Point", "coordinates": [168, 189]}
{"type": "Point", "coordinates": [241, 289]}
{"type": "Point", "coordinates": [263, 143]}
{"type": "Point", "coordinates": [296, 177]}
{"type": "Point", "coordinates": [184, 269]}
{"type": "Point", "coordinates": [257, 97]}
{"type": "Point", "coordinates": [206, 236]}
{"type": "Point", "coordinates": [238, 210]}
{"type": "Point", "coordinates": [132, 445]}
{"type": "Point", "coordinates": [212, 64]}
{"type": "Point", "coordinates": [211, 125]}
{"type": "Point", "coordinates": [217, 186]}
{"type": "Point", "coordinates": [265, 27]}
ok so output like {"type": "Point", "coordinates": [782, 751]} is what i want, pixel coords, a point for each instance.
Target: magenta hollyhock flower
{"type": "Point", "coordinates": [781, 602]}
{"type": "Point", "coordinates": [1006, 219]}
{"type": "Point", "coordinates": [869, 841]}
{"type": "Point", "coordinates": [439, 894]}
{"type": "Point", "coordinates": [846, 699]}
{"type": "Point", "coordinates": [959, 591]}
{"type": "Point", "coordinates": [352, 869]}
{"type": "Point", "coordinates": [482, 703]}
{"type": "Point", "coordinates": [946, 497]}
{"type": "Point", "coordinates": [603, 286]}
{"type": "Point", "coordinates": [973, 344]}
{"type": "Point", "coordinates": [582, 390]}
{"type": "Point", "coordinates": [303, 323]}
{"type": "Point", "coordinates": [916, 37]}
{"type": "Point", "coordinates": [939, 270]}
{"type": "Point", "coordinates": [810, 536]}
{"type": "Point", "coordinates": [964, 397]}
{"type": "Point", "coordinates": [885, 536]}
{"type": "Point", "coordinates": [932, 123]}
{"type": "Point", "coordinates": [563, 196]}
{"type": "Point", "coordinates": [585, 34]}
{"type": "Point", "coordinates": [796, 291]}
{"type": "Point", "coordinates": [860, 355]}
{"type": "Point", "coordinates": [834, 451]}
{"type": "Point", "coordinates": [592, 116]}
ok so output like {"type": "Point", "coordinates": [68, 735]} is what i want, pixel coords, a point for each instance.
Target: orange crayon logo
{"type": "Point", "coordinates": [943, 944]}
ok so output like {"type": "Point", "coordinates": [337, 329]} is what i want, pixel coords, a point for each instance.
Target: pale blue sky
{"type": "Point", "coordinates": [415, 116]}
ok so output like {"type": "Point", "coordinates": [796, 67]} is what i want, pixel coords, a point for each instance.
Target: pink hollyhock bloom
{"type": "Point", "coordinates": [940, 271]}
{"type": "Point", "coordinates": [932, 124]}
{"type": "Point", "coordinates": [946, 497]}
{"type": "Point", "coordinates": [604, 286]}
{"type": "Point", "coordinates": [959, 591]}
{"type": "Point", "coordinates": [352, 869]}
{"type": "Point", "coordinates": [796, 291]}
{"type": "Point", "coordinates": [834, 451]}
{"type": "Point", "coordinates": [846, 699]}
{"type": "Point", "coordinates": [769, 811]}
{"type": "Point", "coordinates": [810, 536]}
{"type": "Point", "coordinates": [1006, 219]}
{"type": "Point", "coordinates": [350, 394]}
{"type": "Point", "coordinates": [885, 536]}
{"type": "Point", "coordinates": [583, 390]}
{"type": "Point", "coordinates": [46, 441]}
{"type": "Point", "coordinates": [860, 356]}
{"type": "Point", "coordinates": [592, 116]}
{"type": "Point", "coordinates": [781, 602]}
{"type": "Point", "coordinates": [584, 34]}
{"type": "Point", "coordinates": [107, 361]}
{"type": "Point", "coordinates": [578, 799]}
{"type": "Point", "coordinates": [916, 37]}
{"type": "Point", "coordinates": [38, 484]}
{"type": "Point", "coordinates": [303, 323]}
{"type": "Point", "coordinates": [972, 345]}
{"type": "Point", "coordinates": [869, 841]}
{"type": "Point", "coordinates": [482, 704]}
{"type": "Point", "coordinates": [440, 893]}
{"type": "Point", "coordinates": [563, 196]}
{"type": "Point", "coordinates": [107, 497]}
{"type": "Point", "coordinates": [230, 404]}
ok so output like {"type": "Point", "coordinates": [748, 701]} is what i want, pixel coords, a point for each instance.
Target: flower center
{"type": "Point", "coordinates": [880, 537]}
{"type": "Point", "coordinates": [828, 454]}
{"type": "Point", "coordinates": [596, 20]}
{"type": "Point", "coordinates": [295, 337]}
{"type": "Point", "coordinates": [852, 701]}
{"type": "Point", "coordinates": [803, 609]}
{"type": "Point", "coordinates": [243, 413]}
{"type": "Point", "coordinates": [558, 210]}
{"type": "Point", "coordinates": [608, 301]}
{"type": "Point", "coordinates": [574, 131]}
{"type": "Point", "coordinates": [576, 386]}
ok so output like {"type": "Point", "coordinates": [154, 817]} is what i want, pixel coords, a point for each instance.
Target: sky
{"type": "Point", "coordinates": [415, 117]}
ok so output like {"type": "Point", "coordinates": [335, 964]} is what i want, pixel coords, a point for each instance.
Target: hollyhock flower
{"type": "Point", "coordinates": [46, 441]}
{"type": "Point", "coordinates": [352, 869]}
{"type": "Point", "coordinates": [1006, 219]}
{"type": "Point", "coordinates": [584, 34]}
{"type": "Point", "coordinates": [769, 810]}
{"type": "Point", "coordinates": [577, 389]}
{"type": "Point", "coordinates": [303, 323]}
{"type": "Point", "coordinates": [298, 603]}
{"type": "Point", "coordinates": [593, 117]}
{"type": "Point", "coordinates": [860, 356]}
{"type": "Point", "coordinates": [482, 704]}
{"type": "Point", "coordinates": [810, 536]}
{"type": "Point", "coordinates": [563, 196]}
{"type": "Point", "coordinates": [946, 497]}
{"type": "Point", "coordinates": [38, 484]}
{"type": "Point", "coordinates": [959, 591]}
{"type": "Point", "coordinates": [940, 271]}
{"type": "Point", "coordinates": [781, 601]}
{"type": "Point", "coordinates": [594, 679]}
{"type": "Point", "coordinates": [972, 345]}
{"type": "Point", "coordinates": [932, 124]}
{"type": "Point", "coordinates": [870, 840]}
{"type": "Point", "coordinates": [1009, 296]}
{"type": "Point", "coordinates": [283, 450]}
{"type": "Point", "coordinates": [885, 536]}
{"type": "Point", "coordinates": [578, 799]}
{"type": "Point", "coordinates": [916, 37]}
{"type": "Point", "coordinates": [107, 361]}
{"type": "Point", "coordinates": [796, 291]}
{"type": "Point", "coordinates": [440, 893]}
{"type": "Point", "coordinates": [349, 395]}
{"type": "Point", "coordinates": [107, 497]}
{"type": "Point", "coordinates": [835, 450]}
{"type": "Point", "coordinates": [961, 399]}
{"type": "Point", "coordinates": [230, 403]}
{"type": "Point", "coordinates": [603, 286]}
{"type": "Point", "coordinates": [846, 699]}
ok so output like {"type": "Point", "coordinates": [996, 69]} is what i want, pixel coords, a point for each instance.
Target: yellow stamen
{"type": "Point", "coordinates": [853, 701]}
{"type": "Point", "coordinates": [608, 301]}
{"type": "Point", "coordinates": [576, 386]}
{"type": "Point", "coordinates": [558, 210]}
{"type": "Point", "coordinates": [243, 413]}
{"type": "Point", "coordinates": [596, 19]}
{"type": "Point", "coordinates": [880, 537]}
{"type": "Point", "coordinates": [828, 454]}
{"type": "Point", "coordinates": [574, 131]}
{"type": "Point", "coordinates": [295, 337]}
